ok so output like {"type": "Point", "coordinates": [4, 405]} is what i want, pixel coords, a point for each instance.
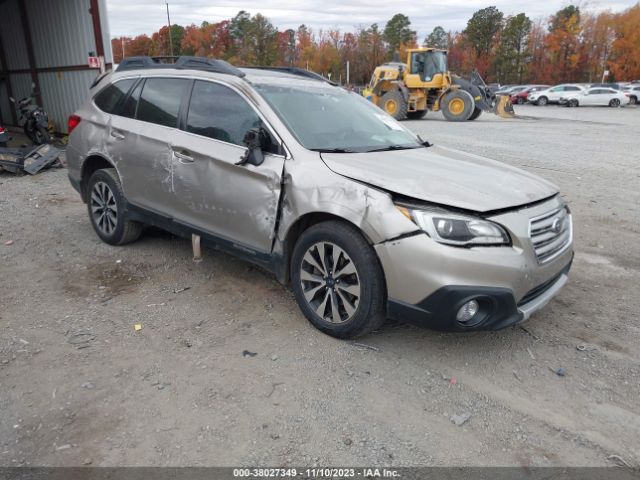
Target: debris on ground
{"type": "Point", "coordinates": [81, 339]}
{"type": "Point", "coordinates": [8, 242]}
{"type": "Point", "coordinates": [28, 159]}
{"type": "Point", "coordinates": [178, 290]}
{"type": "Point", "coordinates": [348, 442]}
{"type": "Point", "coordinates": [137, 327]}
{"type": "Point", "coordinates": [453, 381]}
{"type": "Point", "coordinates": [560, 371]}
{"type": "Point", "coordinates": [531, 354]}
{"type": "Point", "coordinates": [461, 419]}
{"type": "Point", "coordinates": [88, 385]}
{"type": "Point", "coordinates": [365, 346]}
{"type": "Point", "coordinates": [247, 353]}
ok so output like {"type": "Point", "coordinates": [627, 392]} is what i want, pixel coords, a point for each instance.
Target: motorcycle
{"type": "Point", "coordinates": [33, 119]}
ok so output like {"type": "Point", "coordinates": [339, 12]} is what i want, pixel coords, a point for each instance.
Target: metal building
{"type": "Point", "coordinates": [48, 42]}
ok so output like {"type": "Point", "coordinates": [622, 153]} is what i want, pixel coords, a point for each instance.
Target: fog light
{"type": "Point", "coordinates": [467, 311]}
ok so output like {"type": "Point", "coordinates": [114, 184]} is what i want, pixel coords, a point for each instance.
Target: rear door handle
{"type": "Point", "coordinates": [183, 157]}
{"type": "Point", "coordinates": [117, 135]}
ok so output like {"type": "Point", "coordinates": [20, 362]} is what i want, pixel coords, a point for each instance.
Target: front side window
{"type": "Point", "coordinates": [216, 111]}
{"type": "Point", "coordinates": [571, 89]}
{"type": "Point", "coordinates": [109, 98]}
{"type": "Point", "coordinates": [333, 119]}
{"type": "Point", "coordinates": [160, 100]}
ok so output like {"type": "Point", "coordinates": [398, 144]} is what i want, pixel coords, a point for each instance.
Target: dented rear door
{"type": "Point", "coordinates": [238, 203]}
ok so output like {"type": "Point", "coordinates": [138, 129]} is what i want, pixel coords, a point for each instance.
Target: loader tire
{"type": "Point", "coordinates": [458, 105]}
{"type": "Point", "coordinates": [476, 113]}
{"type": "Point", "coordinates": [417, 115]}
{"type": "Point", "coordinates": [393, 103]}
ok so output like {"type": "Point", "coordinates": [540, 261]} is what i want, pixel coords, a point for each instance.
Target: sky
{"type": "Point", "coordinates": [134, 17]}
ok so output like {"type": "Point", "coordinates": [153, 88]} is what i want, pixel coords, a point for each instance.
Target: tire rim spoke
{"type": "Point", "coordinates": [104, 208]}
{"type": "Point", "coordinates": [330, 282]}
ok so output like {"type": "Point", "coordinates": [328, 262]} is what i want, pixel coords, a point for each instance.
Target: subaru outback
{"type": "Point", "coordinates": [364, 219]}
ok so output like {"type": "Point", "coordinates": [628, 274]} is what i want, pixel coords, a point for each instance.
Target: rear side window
{"type": "Point", "coordinates": [130, 105]}
{"type": "Point", "coordinates": [571, 89]}
{"type": "Point", "coordinates": [160, 100]}
{"type": "Point", "coordinates": [218, 112]}
{"type": "Point", "coordinates": [109, 98]}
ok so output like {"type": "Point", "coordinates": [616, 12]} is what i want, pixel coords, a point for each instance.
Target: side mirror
{"type": "Point", "coordinates": [254, 141]}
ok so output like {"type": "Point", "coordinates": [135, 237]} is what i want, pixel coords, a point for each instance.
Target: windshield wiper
{"type": "Point", "coordinates": [332, 150]}
{"type": "Point", "coordinates": [393, 147]}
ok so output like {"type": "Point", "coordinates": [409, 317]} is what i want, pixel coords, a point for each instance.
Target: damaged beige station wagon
{"type": "Point", "coordinates": [363, 218]}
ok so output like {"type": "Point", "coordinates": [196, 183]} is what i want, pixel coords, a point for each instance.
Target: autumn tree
{"type": "Point", "coordinates": [562, 44]}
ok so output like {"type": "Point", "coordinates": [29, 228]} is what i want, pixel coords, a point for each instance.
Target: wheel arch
{"type": "Point", "coordinates": [92, 163]}
{"type": "Point", "coordinates": [297, 228]}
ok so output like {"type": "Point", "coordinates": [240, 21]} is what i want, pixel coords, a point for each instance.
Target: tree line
{"type": "Point", "coordinates": [569, 46]}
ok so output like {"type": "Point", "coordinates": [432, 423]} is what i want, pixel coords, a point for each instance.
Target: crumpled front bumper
{"type": "Point", "coordinates": [428, 282]}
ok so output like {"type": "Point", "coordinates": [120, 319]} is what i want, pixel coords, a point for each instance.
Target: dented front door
{"type": "Point", "coordinates": [237, 203]}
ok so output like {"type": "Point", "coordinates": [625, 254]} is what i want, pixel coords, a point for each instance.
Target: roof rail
{"type": "Point", "coordinates": [180, 63]}
{"type": "Point", "coordinates": [297, 71]}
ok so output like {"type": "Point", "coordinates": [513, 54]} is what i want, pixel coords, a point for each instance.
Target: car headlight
{"type": "Point", "coordinates": [455, 229]}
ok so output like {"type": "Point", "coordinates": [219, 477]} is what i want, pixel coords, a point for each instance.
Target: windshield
{"type": "Point", "coordinates": [333, 119]}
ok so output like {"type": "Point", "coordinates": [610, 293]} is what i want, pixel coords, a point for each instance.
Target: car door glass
{"type": "Point", "coordinates": [160, 100]}
{"type": "Point", "coordinates": [109, 98]}
{"type": "Point", "coordinates": [130, 105]}
{"type": "Point", "coordinates": [217, 112]}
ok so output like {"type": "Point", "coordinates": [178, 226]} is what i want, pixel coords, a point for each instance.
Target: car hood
{"type": "Point", "coordinates": [443, 176]}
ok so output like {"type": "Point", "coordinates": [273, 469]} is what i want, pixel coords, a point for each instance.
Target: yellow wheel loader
{"type": "Point", "coordinates": [409, 90]}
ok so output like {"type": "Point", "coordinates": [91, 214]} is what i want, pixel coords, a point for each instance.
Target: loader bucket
{"type": "Point", "coordinates": [504, 107]}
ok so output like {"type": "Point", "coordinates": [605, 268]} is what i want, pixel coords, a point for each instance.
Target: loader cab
{"type": "Point", "coordinates": [427, 67]}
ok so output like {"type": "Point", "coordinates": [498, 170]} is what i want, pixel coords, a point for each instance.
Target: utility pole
{"type": "Point", "coordinates": [122, 41]}
{"type": "Point", "coordinates": [169, 23]}
{"type": "Point", "coordinates": [347, 73]}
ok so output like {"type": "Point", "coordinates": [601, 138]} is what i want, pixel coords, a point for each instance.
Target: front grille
{"type": "Point", "coordinates": [550, 233]}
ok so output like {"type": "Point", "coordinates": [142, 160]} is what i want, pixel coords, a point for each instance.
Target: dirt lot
{"type": "Point", "coordinates": [78, 385]}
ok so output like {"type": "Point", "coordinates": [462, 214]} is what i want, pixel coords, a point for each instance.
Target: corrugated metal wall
{"type": "Point", "coordinates": [62, 36]}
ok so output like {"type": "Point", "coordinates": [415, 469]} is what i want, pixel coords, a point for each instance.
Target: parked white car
{"type": "Point", "coordinates": [553, 94]}
{"type": "Point", "coordinates": [633, 92]}
{"type": "Point", "coordinates": [598, 96]}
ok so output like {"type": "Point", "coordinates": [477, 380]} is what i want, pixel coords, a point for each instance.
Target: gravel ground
{"type": "Point", "coordinates": [78, 385]}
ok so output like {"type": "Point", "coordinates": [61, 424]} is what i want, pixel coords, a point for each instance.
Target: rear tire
{"type": "Point", "coordinates": [573, 103]}
{"type": "Point", "coordinates": [542, 101]}
{"type": "Point", "coordinates": [476, 113]}
{"type": "Point", "coordinates": [393, 103]}
{"type": "Point", "coordinates": [107, 207]}
{"type": "Point", "coordinates": [417, 115]}
{"type": "Point", "coordinates": [633, 100]}
{"type": "Point", "coordinates": [614, 102]}
{"type": "Point", "coordinates": [520, 101]}
{"type": "Point", "coordinates": [457, 105]}
{"type": "Point", "coordinates": [338, 281]}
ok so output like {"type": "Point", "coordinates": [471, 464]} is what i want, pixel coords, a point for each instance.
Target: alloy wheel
{"type": "Point", "coordinates": [330, 282]}
{"type": "Point", "coordinates": [104, 208]}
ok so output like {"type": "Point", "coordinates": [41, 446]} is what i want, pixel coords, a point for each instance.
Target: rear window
{"type": "Point", "coordinates": [109, 98]}
{"type": "Point", "coordinates": [160, 100]}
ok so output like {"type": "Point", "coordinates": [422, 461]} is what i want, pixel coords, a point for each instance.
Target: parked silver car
{"type": "Point", "coordinates": [363, 218]}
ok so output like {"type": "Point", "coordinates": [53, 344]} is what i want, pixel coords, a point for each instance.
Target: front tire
{"type": "Point", "coordinates": [573, 103]}
{"type": "Point", "coordinates": [393, 103]}
{"type": "Point", "coordinates": [457, 105]}
{"type": "Point", "coordinates": [542, 101]}
{"type": "Point", "coordinates": [520, 101]}
{"type": "Point", "coordinates": [614, 102]}
{"type": "Point", "coordinates": [633, 100]}
{"type": "Point", "coordinates": [337, 280]}
{"type": "Point", "coordinates": [107, 208]}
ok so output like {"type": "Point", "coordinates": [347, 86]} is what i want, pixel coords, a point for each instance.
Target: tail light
{"type": "Point", "coordinates": [1, 129]}
{"type": "Point", "coordinates": [72, 123]}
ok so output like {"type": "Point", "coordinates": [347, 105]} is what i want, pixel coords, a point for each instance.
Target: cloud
{"type": "Point", "coordinates": [146, 16]}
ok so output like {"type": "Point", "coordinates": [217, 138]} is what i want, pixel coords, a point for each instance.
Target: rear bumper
{"type": "Point", "coordinates": [498, 308]}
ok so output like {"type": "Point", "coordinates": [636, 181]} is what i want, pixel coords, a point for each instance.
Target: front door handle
{"type": "Point", "coordinates": [183, 157]}
{"type": "Point", "coordinates": [117, 135]}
